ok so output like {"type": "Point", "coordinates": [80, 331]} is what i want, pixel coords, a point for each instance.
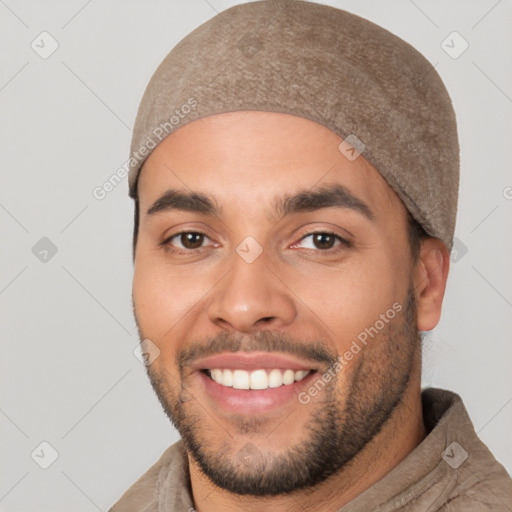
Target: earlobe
{"type": "Point", "coordinates": [430, 275]}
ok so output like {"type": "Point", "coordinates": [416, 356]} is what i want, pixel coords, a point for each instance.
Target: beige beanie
{"type": "Point", "coordinates": [327, 65]}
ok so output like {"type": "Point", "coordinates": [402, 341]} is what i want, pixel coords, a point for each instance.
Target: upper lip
{"type": "Point", "coordinates": [250, 361]}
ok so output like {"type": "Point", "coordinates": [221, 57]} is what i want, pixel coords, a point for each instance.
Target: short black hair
{"type": "Point", "coordinates": [135, 226]}
{"type": "Point", "coordinates": [415, 232]}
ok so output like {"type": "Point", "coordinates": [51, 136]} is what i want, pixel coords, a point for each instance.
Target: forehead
{"type": "Point", "coordinates": [250, 159]}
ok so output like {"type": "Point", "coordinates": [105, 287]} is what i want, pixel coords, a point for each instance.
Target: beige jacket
{"type": "Point", "coordinates": [451, 470]}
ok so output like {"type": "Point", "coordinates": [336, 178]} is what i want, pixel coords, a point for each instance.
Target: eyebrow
{"type": "Point", "coordinates": [186, 201]}
{"type": "Point", "coordinates": [327, 196]}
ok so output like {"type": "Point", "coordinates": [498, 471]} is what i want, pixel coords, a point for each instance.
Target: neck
{"type": "Point", "coordinates": [399, 436]}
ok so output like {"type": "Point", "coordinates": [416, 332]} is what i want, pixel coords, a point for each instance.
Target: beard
{"type": "Point", "coordinates": [341, 425]}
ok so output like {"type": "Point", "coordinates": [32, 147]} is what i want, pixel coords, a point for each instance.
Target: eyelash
{"type": "Point", "coordinates": [343, 242]}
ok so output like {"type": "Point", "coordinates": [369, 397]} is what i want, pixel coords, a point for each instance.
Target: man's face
{"type": "Point", "coordinates": [270, 281]}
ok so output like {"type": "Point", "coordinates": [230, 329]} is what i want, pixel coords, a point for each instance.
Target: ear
{"type": "Point", "coordinates": [430, 275]}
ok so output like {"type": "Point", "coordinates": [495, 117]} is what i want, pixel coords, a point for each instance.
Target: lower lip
{"type": "Point", "coordinates": [253, 401]}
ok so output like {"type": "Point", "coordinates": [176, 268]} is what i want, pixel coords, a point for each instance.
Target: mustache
{"type": "Point", "coordinates": [263, 341]}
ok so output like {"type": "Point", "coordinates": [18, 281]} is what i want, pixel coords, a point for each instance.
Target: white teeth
{"type": "Point", "coordinates": [257, 379]}
{"type": "Point", "coordinates": [300, 374]}
{"type": "Point", "coordinates": [227, 378]}
{"type": "Point", "coordinates": [241, 379]}
{"type": "Point", "coordinates": [275, 379]}
{"type": "Point", "coordinates": [217, 375]}
{"type": "Point", "coordinates": [288, 377]}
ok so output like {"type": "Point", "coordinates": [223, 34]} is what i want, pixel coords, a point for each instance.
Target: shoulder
{"type": "Point", "coordinates": [475, 480]}
{"type": "Point", "coordinates": [484, 485]}
{"type": "Point", "coordinates": [144, 493]}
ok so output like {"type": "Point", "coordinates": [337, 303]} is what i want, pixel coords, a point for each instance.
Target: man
{"type": "Point", "coordinates": [295, 176]}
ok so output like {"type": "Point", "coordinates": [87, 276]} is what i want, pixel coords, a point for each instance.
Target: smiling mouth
{"type": "Point", "coordinates": [259, 379]}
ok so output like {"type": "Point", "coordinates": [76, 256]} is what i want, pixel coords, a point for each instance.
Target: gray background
{"type": "Point", "coordinates": [68, 373]}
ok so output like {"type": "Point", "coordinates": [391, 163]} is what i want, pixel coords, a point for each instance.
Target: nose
{"type": "Point", "coordinates": [251, 297]}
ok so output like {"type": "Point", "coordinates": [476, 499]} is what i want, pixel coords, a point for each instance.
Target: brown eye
{"type": "Point", "coordinates": [323, 240]}
{"type": "Point", "coordinates": [185, 241]}
{"type": "Point", "coordinates": [191, 240]}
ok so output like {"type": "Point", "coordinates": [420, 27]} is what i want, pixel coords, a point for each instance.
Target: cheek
{"type": "Point", "coordinates": [350, 298]}
{"type": "Point", "coordinates": [163, 296]}
{"type": "Point", "coordinates": [164, 301]}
